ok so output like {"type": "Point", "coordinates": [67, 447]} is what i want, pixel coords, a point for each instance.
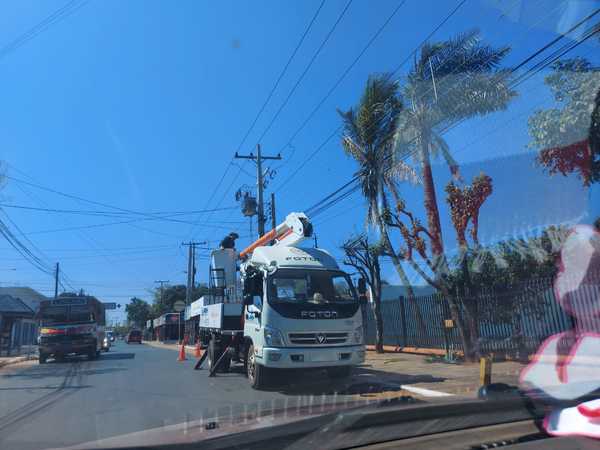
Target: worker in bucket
{"type": "Point", "coordinates": [229, 240]}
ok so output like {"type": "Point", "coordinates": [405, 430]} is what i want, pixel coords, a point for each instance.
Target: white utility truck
{"type": "Point", "coordinates": [290, 308]}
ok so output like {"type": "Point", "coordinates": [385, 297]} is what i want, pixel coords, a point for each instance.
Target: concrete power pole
{"type": "Point", "coordinates": [56, 281]}
{"type": "Point", "coordinates": [162, 283]}
{"type": "Point", "coordinates": [191, 269]}
{"type": "Point", "coordinates": [273, 217]}
{"type": "Point", "coordinates": [259, 158]}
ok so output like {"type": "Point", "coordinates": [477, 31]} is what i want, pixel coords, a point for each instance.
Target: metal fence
{"type": "Point", "coordinates": [517, 320]}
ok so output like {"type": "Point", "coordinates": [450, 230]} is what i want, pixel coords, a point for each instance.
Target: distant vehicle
{"type": "Point", "coordinates": [71, 326]}
{"type": "Point", "coordinates": [106, 343]}
{"type": "Point", "coordinates": [134, 336]}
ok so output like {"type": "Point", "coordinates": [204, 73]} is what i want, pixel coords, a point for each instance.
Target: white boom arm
{"type": "Point", "coordinates": [294, 229]}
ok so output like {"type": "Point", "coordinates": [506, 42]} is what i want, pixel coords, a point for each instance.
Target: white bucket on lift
{"type": "Point", "coordinates": [225, 260]}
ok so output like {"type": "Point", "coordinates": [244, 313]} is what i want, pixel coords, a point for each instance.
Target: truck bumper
{"type": "Point", "coordinates": [65, 348]}
{"type": "Point", "coordinates": [310, 357]}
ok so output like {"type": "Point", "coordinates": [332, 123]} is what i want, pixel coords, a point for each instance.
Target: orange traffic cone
{"type": "Point", "coordinates": [198, 352]}
{"type": "Point", "coordinates": [181, 356]}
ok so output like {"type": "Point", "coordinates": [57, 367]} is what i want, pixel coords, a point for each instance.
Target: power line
{"type": "Point", "coordinates": [280, 77]}
{"type": "Point", "coordinates": [306, 69]}
{"type": "Point", "coordinates": [159, 215]}
{"type": "Point", "coordinates": [344, 74]}
{"type": "Point", "coordinates": [282, 73]}
{"type": "Point", "coordinates": [81, 199]}
{"type": "Point", "coordinates": [331, 199]}
{"type": "Point", "coordinates": [58, 15]}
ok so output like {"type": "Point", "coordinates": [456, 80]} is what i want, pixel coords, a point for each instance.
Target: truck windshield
{"type": "Point", "coordinates": [311, 286]}
{"type": "Point", "coordinates": [62, 315]}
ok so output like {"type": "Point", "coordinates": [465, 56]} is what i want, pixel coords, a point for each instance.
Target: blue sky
{"type": "Point", "coordinates": [141, 105]}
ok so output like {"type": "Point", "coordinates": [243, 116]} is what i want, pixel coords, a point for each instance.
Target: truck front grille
{"type": "Point", "coordinates": [317, 338]}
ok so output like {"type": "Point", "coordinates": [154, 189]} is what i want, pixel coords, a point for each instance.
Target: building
{"type": "Point", "coordinates": [18, 324]}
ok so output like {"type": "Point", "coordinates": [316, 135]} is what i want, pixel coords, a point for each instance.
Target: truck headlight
{"type": "Point", "coordinates": [358, 335]}
{"type": "Point", "coordinates": [273, 337]}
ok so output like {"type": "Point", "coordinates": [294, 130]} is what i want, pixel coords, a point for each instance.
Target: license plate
{"type": "Point", "coordinates": [323, 357]}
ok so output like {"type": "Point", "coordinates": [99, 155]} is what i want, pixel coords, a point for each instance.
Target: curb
{"type": "Point", "coordinates": [188, 348]}
{"type": "Point", "coordinates": [412, 350]}
{"type": "Point", "coordinates": [17, 359]}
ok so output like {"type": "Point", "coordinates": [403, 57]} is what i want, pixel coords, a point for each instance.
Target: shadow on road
{"type": "Point", "coordinates": [364, 380]}
{"type": "Point", "coordinates": [43, 388]}
{"type": "Point", "coordinates": [116, 356]}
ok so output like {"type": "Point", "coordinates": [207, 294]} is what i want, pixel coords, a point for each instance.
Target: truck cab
{"type": "Point", "coordinates": [300, 311]}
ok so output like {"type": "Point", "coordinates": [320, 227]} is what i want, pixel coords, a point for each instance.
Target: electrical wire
{"type": "Point", "coordinates": [306, 69]}
{"type": "Point", "coordinates": [326, 203]}
{"type": "Point", "coordinates": [281, 74]}
{"type": "Point", "coordinates": [55, 17]}
{"type": "Point", "coordinates": [340, 79]}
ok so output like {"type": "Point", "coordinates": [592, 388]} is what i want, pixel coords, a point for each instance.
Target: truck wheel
{"type": "Point", "coordinates": [339, 372]}
{"type": "Point", "coordinates": [42, 358]}
{"type": "Point", "coordinates": [257, 374]}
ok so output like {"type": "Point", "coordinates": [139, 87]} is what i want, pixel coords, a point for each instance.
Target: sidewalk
{"type": "Point", "coordinates": [435, 379]}
{"type": "Point", "coordinates": [189, 349]}
{"type": "Point", "coordinates": [27, 353]}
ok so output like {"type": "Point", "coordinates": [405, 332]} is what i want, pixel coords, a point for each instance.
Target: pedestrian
{"type": "Point", "coordinates": [229, 240]}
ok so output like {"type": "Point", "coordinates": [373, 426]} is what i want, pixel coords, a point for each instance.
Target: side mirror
{"type": "Point", "coordinates": [247, 288]}
{"type": "Point", "coordinates": [362, 287]}
{"type": "Point", "coordinates": [362, 291]}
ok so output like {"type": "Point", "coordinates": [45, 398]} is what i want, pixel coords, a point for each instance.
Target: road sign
{"type": "Point", "coordinates": [179, 306]}
{"type": "Point", "coordinates": [110, 305]}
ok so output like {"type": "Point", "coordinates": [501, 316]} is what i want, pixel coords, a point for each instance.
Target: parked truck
{"type": "Point", "coordinates": [277, 305]}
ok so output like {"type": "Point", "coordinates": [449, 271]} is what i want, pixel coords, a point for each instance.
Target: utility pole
{"type": "Point", "coordinates": [273, 218]}
{"type": "Point", "coordinates": [259, 158]}
{"type": "Point", "coordinates": [56, 281]}
{"type": "Point", "coordinates": [191, 269]}
{"type": "Point", "coordinates": [162, 283]}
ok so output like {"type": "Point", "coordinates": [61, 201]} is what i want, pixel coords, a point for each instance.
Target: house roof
{"type": "Point", "coordinates": [27, 295]}
{"type": "Point", "coordinates": [12, 305]}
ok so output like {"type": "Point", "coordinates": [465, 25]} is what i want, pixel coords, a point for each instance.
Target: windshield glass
{"type": "Point", "coordinates": [57, 315]}
{"type": "Point", "coordinates": [286, 208]}
{"type": "Point", "coordinates": [310, 286]}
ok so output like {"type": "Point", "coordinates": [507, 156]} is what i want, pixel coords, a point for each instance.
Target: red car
{"type": "Point", "coordinates": [134, 336]}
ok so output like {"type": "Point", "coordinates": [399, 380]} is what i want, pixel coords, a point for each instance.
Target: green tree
{"type": "Point", "coordinates": [138, 312]}
{"type": "Point", "coordinates": [164, 300]}
{"type": "Point", "coordinates": [368, 137]}
{"type": "Point", "coordinates": [450, 81]}
{"type": "Point", "coordinates": [364, 257]}
{"type": "Point", "coordinates": [568, 135]}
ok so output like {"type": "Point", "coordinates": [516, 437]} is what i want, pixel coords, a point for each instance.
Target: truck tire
{"type": "Point", "coordinates": [257, 374]}
{"type": "Point", "coordinates": [339, 372]}
{"type": "Point", "coordinates": [42, 358]}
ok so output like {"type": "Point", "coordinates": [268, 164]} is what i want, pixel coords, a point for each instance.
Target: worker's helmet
{"type": "Point", "coordinates": [234, 235]}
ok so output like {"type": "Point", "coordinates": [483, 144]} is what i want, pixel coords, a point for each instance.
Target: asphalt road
{"type": "Point", "coordinates": [133, 388]}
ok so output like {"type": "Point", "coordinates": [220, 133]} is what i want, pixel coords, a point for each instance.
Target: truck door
{"type": "Point", "coordinates": [252, 323]}
{"type": "Point", "coordinates": [253, 299]}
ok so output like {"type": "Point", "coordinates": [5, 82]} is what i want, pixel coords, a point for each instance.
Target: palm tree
{"type": "Point", "coordinates": [449, 82]}
{"type": "Point", "coordinates": [368, 137]}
